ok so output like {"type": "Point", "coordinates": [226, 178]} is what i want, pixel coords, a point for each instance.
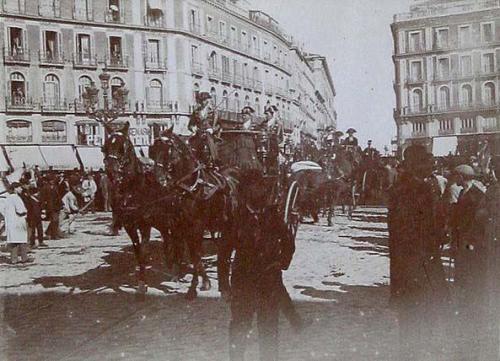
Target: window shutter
{"type": "Point", "coordinates": [45, 100]}
{"type": "Point", "coordinates": [44, 44]}
{"type": "Point", "coordinates": [27, 90]}
{"type": "Point", "coordinates": [9, 91]}
{"type": "Point", "coordinates": [59, 46]}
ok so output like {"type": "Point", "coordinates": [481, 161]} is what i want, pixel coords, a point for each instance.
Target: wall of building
{"type": "Point", "coordinates": [447, 65]}
{"type": "Point", "coordinates": [161, 87]}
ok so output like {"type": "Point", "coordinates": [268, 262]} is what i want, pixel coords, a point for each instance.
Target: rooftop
{"type": "Point", "coordinates": [434, 8]}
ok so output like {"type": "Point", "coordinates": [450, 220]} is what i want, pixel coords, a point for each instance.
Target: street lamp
{"type": "Point", "coordinates": [108, 113]}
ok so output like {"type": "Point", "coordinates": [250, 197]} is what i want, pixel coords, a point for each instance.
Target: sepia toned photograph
{"type": "Point", "coordinates": [249, 180]}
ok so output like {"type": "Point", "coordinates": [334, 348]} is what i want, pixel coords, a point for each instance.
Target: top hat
{"type": "Point", "coordinates": [351, 131]}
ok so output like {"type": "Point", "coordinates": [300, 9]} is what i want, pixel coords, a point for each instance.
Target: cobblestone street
{"type": "Point", "coordinates": [77, 302]}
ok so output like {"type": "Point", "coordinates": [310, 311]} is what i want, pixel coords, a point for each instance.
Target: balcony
{"type": "Point", "coordinates": [237, 80]}
{"type": "Point", "coordinates": [85, 14]}
{"type": "Point", "coordinates": [197, 69]}
{"type": "Point", "coordinates": [14, 7]}
{"type": "Point", "coordinates": [443, 76]}
{"type": "Point", "coordinates": [49, 10]}
{"type": "Point", "coordinates": [227, 77]}
{"type": "Point", "coordinates": [84, 62]}
{"type": "Point", "coordinates": [414, 80]}
{"type": "Point", "coordinates": [16, 56]}
{"type": "Point", "coordinates": [155, 65]}
{"type": "Point", "coordinates": [468, 130]}
{"type": "Point", "coordinates": [117, 63]}
{"type": "Point", "coordinates": [19, 104]}
{"type": "Point", "coordinates": [54, 106]}
{"type": "Point", "coordinates": [269, 90]}
{"type": "Point", "coordinates": [449, 131]}
{"type": "Point", "coordinates": [51, 58]}
{"type": "Point", "coordinates": [412, 111]}
{"type": "Point", "coordinates": [114, 17]}
{"type": "Point", "coordinates": [247, 82]}
{"type": "Point", "coordinates": [419, 134]}
{"type": "Point", "coordinates": [156, 107]}
{"type": "Point", "coordinates": [491, 129]}
{"type": "Point", "coordinates": [214, 74]}
{"type": "Point", "coordinates": [154, 21]}
{"type": "Point", "coordinates": [257, 85]}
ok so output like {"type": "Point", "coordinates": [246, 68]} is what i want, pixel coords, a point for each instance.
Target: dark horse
{"type": "Point", "coordinates": [334, 185]}
{"type": "Point", "coordinates": [137, 205]}
{"type": "Point", "coordinates": [207, 201]}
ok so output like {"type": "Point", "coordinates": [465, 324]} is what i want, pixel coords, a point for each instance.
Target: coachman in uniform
{"type": "Point", "coordinates": [203, 124]}
{"type": "Point", "coordinates": [418, 286]}
{"type": "Point", "coordinates": [350, 142]}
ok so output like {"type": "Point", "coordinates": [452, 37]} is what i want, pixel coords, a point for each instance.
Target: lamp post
{"type": "Point", "coordinates": [109, 112]}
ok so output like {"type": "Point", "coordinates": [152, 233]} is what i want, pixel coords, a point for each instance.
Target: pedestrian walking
{"type": "Point", "coordinates": [16, 227]}
{"type": "Point", "coordinates": [471, 268]}
{"type": "Point", "coordinates": [35, 217]}
{"type": "Point", "coordinates": [52, 204]}
{"type": "Point", "coordinates": [89, 188]}
{"type": "Point", "coordinates": [263, 251]}
{"type": "Point", "coordinates": [70, 208]}
{"type": "Point", "coordinates": [418, 287]}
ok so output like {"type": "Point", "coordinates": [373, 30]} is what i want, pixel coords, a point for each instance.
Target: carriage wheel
{"type": "Point", "coordinates": [292, 215]}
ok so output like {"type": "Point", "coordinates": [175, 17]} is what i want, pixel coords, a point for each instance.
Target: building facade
{"type": "Point", "coordinates": [447, 66]}
{"type": "Point", "coordinates": [163, 51]}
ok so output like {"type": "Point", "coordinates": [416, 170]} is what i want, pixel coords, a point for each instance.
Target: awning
{"type": "Point", "coordinates": [26, 155]}
{"type": "Point", "coordinates": [442, 146]}
{"type": "Point", "coordinates": [91, 157]}
{"type": "Point", "coordinates": [60, 157]}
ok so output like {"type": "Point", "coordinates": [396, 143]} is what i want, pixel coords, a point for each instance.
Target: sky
{"type": "Point", "coordinates": [356, 39]}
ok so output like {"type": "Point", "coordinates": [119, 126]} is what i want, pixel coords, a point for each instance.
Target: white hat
{"type": "Point", "coordinates": [465, 170]}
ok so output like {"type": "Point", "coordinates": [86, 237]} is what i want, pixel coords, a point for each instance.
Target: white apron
{"type": "Point", "coordinates": [15, 225]}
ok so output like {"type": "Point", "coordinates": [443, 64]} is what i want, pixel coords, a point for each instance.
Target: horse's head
{"type": "Point", "coordinates": [172, 158]}
{"type": "Point", "coordinates": [119, 155]}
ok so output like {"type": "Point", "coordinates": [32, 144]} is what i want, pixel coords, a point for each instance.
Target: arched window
{"type": "Point", "coordinates": [257, 106]}
{"type": "Point", "coordinates": [237, 105]}
{"type": "Point", "coordinates": [225, 100]}
{"type": "Point", "coordinates": [466, 95]}
{"type": "Point", "coordinates": [54, 131]}
{"type": "Point", "coordinates": [116, 83]}
{"type": "Point", "coordinates": [489, 94]}
{"type": "Point", "coordinates": [247, 101]}
{"type": "Point", "coordinates": [212, 61]}
{"type": "Point", "coordinates": [417, 100]}
{"type": "Point", "coordinates": [213, 94]}
{"type": "Point", "coordinates": [444, 97]}
{"type": "Point", "coordinates": [51, 91]}
{"type": "Point", "coordinates": [154, 94]}
{"type": "Point", "coordinates": [83, 83]}
{"type": "Point", "coordinates": [18, 89]}
{"type": "Point", "coordinates": [19, 131]}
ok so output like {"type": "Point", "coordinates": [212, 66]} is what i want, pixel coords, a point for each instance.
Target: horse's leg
{"type": "Point", "coordinates": [224, 250]}
{"type": "Point", "coordinates": [195, 255]}
{"type": "Point", "coordinates": [133, 233]}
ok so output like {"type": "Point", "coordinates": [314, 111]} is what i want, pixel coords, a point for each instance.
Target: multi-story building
{"type": "Point", "coordinates": [447, 65]}
{"type": "Point", "coordinates": [163, 52]}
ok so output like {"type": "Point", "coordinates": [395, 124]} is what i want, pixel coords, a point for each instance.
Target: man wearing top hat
{"type": "Point", "coordinates": [275, 134]}
{"type": "Point", "coordinates": [202, 123]}
{"type": "Point", "coordinates": [249, 122]}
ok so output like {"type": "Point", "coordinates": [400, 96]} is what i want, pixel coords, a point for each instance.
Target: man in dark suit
{"type": "Point", "coordinates": [264, 249]}
{"type": "Point", "coordinates": [471, 255]}
{"type": "Point", "coordinates": [418, 286]}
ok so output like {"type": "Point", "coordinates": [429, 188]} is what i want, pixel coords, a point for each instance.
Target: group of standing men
{"type": "Point", "coordinates": [440, 319]}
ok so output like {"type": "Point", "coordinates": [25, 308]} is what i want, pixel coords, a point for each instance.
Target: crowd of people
{"type": "Point", "coordinates": [447, 310]}
{"type": "Point", "coordinates": [57, 197]}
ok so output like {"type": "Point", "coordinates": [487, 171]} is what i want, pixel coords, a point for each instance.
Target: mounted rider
{"type": "Point", "coordinates": [350, 142]}
{"type": "Point", "coordinates": [203, 125]}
